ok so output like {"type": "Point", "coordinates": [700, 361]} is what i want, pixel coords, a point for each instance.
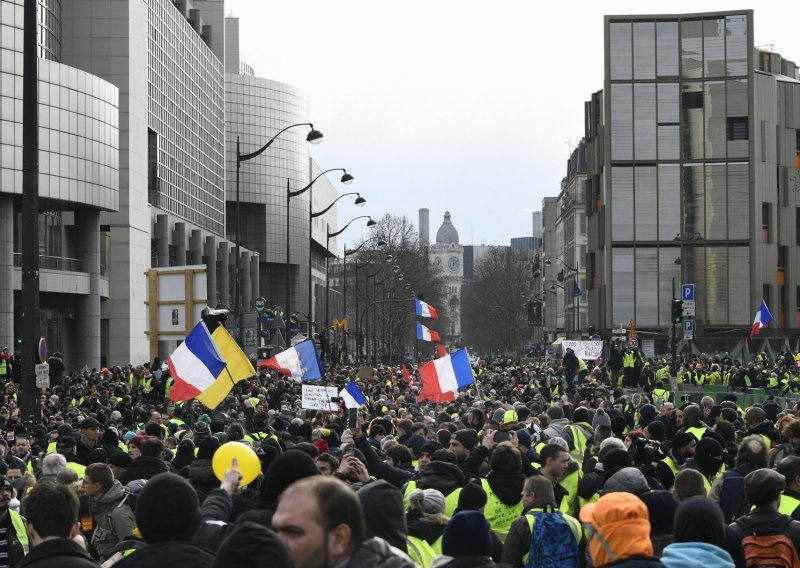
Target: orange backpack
{"type": "Point", "coordinates": [768, 547]}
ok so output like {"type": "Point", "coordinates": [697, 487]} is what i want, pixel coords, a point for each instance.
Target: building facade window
{"type": "Point", "coordinates": [738, 128]}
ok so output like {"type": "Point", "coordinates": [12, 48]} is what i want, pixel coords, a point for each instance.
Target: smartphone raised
{"type": "Point", "coordinates": [352, 417]}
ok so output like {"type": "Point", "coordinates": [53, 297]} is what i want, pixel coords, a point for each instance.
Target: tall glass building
{"type": "Point", "coordinates": [693, 146]}
{"type": "Point", "coordinates": [78, 183]}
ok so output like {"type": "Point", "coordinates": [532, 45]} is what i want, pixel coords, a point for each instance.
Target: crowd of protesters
{"type": "Point", "coordinates": [545, 463]}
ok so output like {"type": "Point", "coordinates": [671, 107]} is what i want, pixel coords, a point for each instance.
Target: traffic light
{"type": "Point", "coordinates": [677, 311]}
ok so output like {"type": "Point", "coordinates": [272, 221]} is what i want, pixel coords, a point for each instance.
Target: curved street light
{"type": "Point", "coordinates": [314, 136]}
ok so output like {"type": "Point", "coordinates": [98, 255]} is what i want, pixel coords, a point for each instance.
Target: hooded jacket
{"type": "Point", "coordinates": [442, 476]}
{"type": "Point", "coordinates": [627, 479]}
{"type": "Point", "coordinates": [384, 514]}
{"type": "Point", "coordinates": [765, 428]}
{"type": "Point", "coordinates": [113, 528]}
{"type": "Point", "coordinates": [556, 427]}
{"type": "Point", "coordinates": [143, 467]}
{"type": "Point", "coordinates": [376, 552]}
{"type": "Point", "coordinates": [201, 475]}
{"type": "Point", "coordinates": [507, 486]}
{"type": "Point", "coordinates": [687, 554]}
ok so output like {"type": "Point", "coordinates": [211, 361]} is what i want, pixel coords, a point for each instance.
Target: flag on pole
{"type": "Point", "coordinates": [424, 310]}
{"type": "Point", "coordinates": [238, 368]}
{"type": "Point", "coordinates": [441, 350]}
{"type": "Point", "coordinates": [447, 374]}
{"type": "Point", "coordinates": [300, 362]}
{"type": "Point", "coordinates": [195, 364]}
{"type": "Point", "coordinates": [425, 334]}
{"type": "Point", "coordinates": [352, 396]}
{"type": "Point", "coordinates": [436, 397]}
{"type": "Point", "coordinates": [763, 317]}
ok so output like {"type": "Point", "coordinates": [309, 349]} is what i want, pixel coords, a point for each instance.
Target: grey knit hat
{"type": "Point", "coordinates": [600, 417]}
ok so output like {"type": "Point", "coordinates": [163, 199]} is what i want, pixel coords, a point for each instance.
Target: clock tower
{"type": "Point", "coordinates": [447, 256]}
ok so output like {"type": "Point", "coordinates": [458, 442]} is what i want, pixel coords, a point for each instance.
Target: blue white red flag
{"type": "Point", "coordinates": [424, 310]}
{"type": "Point", "coordinates": [300, 362]}
{"type": "Point", "coordinates": [763, 317]}
{"type": "Point", "coordinates": [195, 364]}
{"type": "Point", "coordinates": [352, 396]}
{"type": "Point", "coordinates": [447, 374]}
{"type": "Point", "coordinates": [425, 334]}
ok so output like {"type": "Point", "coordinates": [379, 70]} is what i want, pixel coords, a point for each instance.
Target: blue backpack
{"type": "Point", "coordinates": [553, 543]}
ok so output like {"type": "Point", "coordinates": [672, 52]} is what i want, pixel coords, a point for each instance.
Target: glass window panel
{"type": "Point", "coordinates": [737, 99]}
{"type": "Point", "coordinates": [739, 287]}
{"type": "Point", "coordinates": [692, 49]}
{"type": "Point", "coordinates": [714, 47]}
{"type": "Point", "coordinates": [693, 199]}
{"type": "Point", "coordinates": [669, 201]}
{"type": "Point", "coordinates": [715, 300]}
{"type": "Point", "coordinates": [669, 273]}
{"type": "Point", "coordinates": [736, 44]}
{"type": "Point", "coordinates": [644, 50]}
{"type": "Point", "coordinates": [644, 116]}
{"type": "Point", "coordinates": [715, 120]}
{"type": "Point", "coordinates": [621, 200]}
{"type": "Point", "coordinates": [739, 201]}
{"type": "Point", "coordinates": [667, 49]}
{"type": "Point", "coordinates": [692, 127]}
{"type": "Point", "coordinates": [668, 142]}
{"type": "Point", "coordinates": [716, 202]}
{"type": "Point", "coordinates": [668, 121]}
{"type": "Point", "coordinates": [620, 48]}
{"type": "Point", "coordinates": [622, 288]}
{"type": "Point", "coordinates": [621, 121]}
{"type": "Point", "coordinates": [646, 286]}
{"type": "Point", "coordinates": [645, 203]}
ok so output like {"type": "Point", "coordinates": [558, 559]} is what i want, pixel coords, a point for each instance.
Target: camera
{"type": "Point", "coordinates": [646, 453]}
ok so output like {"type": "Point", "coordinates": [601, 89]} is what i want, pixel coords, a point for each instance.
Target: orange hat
{"type": "Point", "coordinates": [622, 522]}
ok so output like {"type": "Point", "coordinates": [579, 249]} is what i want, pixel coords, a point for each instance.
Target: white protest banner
{"type": "Point", "coordinates": [649, 348]}
{"type": "Point", "coordinates": [319, 398]}
{"type": "Point", "coordinates": [584, 349]}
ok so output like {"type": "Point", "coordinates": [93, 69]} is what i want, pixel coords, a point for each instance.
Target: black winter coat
{"type": "Point", "coordinates": [57, 553]}
{"type": "Point", "coordinates": [172, 554]}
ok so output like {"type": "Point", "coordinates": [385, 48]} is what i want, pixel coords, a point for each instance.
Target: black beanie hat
{"type": "Point", "coordinates": [252, 544]}
{"type": "Point", "coordinates": [468, 438]}
{"type": "Point", "coordinates": [681, 440]}
{"type": "Point", "coordinates": [167, 509]}
{"type": "Point", "coordinates": [284, 470]}
{"type": "Point", "coordinates": [430, 447]}
{"type": "Point", "coordinates": [467, 534]}
{"type": "Point", "coordinates": [662, 506]}
{"type": "Point", "coordinates": [109, 436]}
{"type": "Point", "coordinates": [580, 415]}
{"type": "Point", "coordinates": [471, 498]}
{"type": "Point", "coordinates": [656, 430]}
{"type": "Point", "coordinates": [616, 458]}
{"type": "Point", "coordinates": [304, 430]}
{"type": "Point", "coordinates": [208, 447]}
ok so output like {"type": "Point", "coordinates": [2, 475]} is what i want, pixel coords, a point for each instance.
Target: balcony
{"type": "Point", "coordinates": [59, 274]}
{"type": "Point", "coordinates": [54, 263]}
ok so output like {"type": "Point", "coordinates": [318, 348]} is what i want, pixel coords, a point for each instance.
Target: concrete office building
{"type": "Point", "coordinates": [571, 233]}
{"type": "Point", "coordinates": [553, 319]}
{"type": "Point", "coordinates": [693, 146]}
{"type": "Point", "coordinates": [78, 183]}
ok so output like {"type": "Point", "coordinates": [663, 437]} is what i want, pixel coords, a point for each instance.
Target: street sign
{"type": "Point", "coordinates": [687, 292]}
{"type": "Point", "coordinates": [42, 376]}
{"type": "Point", "coordinates": [689, 308]}
{"type": "Point", "coordinates": [42, 350]}
{"type": "Point", "coordinates": [260, 304]}
{"type": "Point", "coordinates": [619, 331]}
{"type": "Point", "coordinates": [633, 343]}
{"type": "Point", "coordinates": [688, 329]}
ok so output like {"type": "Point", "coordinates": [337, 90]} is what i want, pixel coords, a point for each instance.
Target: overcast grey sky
{"type": "Point", "coordinates": [467, 106]}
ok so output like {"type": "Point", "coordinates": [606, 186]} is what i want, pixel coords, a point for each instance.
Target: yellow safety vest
{"type": "Point", "coordinates": [696, 431]}
{"type": "Point", "coordinates": [19, 529]}
{"type": "Point", "coordinates": [673, 467]}
{"type": "Point", "coordinates": [420, 551]}
{"type": "Point", "coordinates": [499, 515]}
{"type": "Point", "coordinates": [660, 394]}
{"type": "Point", "coordinates": [3, 367]}
{"type": "Point", "coordinates": [570, 483]}
{"type": "Point", "coordinates": [77, 468]}
{"type": "Point", "coordinates": [572, 522]}
{"type": "Point", "coordinates": [788, 504]}
{"type": "Point", "coordinates": [51, 447]}
{"type": "Point", "coordinates": [579, 438]}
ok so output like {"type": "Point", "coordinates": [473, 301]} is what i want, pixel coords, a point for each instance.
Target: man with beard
{"type": "Point", "coordinates": [321, 522]}
{"type": "Point", "coordinates": [13, 537]}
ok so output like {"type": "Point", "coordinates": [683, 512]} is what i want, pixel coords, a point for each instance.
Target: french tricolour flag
{"type": "Point", "coordinates": [763, 317]}
{"type": "Point", "coordinates": [447, 374]}
{"type": "Point", "coordinates": [300, 362]}
{"type": "Point", "coordinates": [195, 364]}
{"type": "Point", "coordinates": [424, 310]}
{"type": "Point", "coordinates": [352, 396]}
{"type": "Point", "coordinates": [425, 334]}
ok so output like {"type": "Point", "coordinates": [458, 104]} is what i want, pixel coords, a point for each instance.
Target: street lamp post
{"type": "Point", "coordinates": [346, 179]}
{"type": "Point", "coordinates": [359, 202]}
{"type": "Point", "coordinates": [380, 243]}
{"type": "Point", "coordinates": [328, 237]}
{"type": "Point", "coordinates": [314, 137]}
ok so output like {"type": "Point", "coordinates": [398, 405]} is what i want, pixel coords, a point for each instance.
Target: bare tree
{"type": "Point", "coordinates": [493, 314]}
{"type": "Point", "coordinates": [389, 278]}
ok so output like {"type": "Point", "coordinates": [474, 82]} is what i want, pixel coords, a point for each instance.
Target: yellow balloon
{"type": "Point", "coordinates": [248, 463]}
